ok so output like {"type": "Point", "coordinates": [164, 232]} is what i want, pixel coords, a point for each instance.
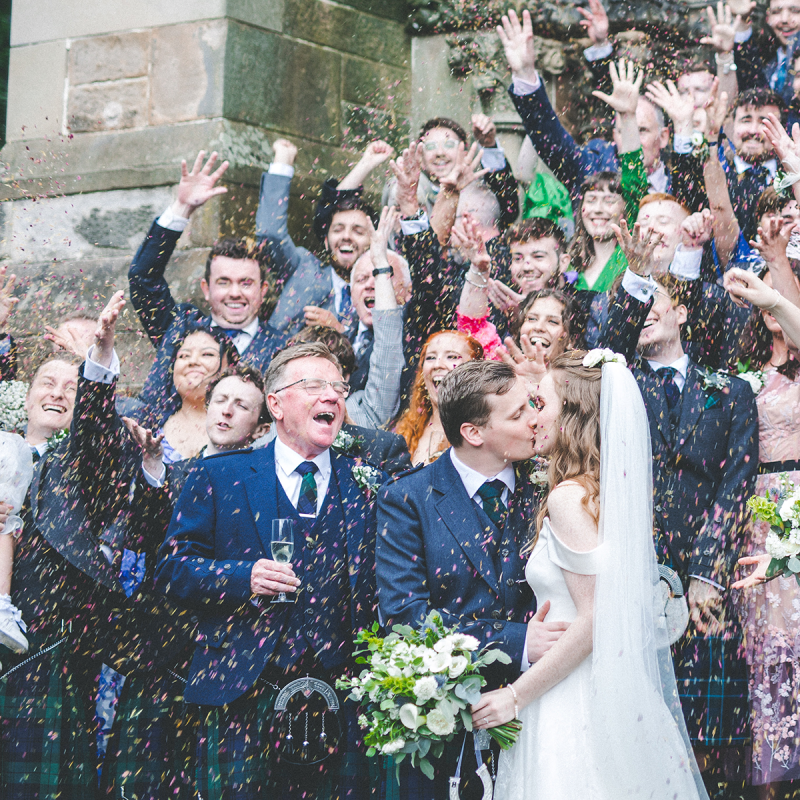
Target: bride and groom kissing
{"type": "Point", "coordinates": [591, 675]}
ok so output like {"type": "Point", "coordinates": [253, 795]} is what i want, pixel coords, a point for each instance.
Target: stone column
{"type": "Point", "coordinates": [105, 99]}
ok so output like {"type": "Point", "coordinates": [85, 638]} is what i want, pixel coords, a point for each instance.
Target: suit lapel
{"type": "Point", "coordinates": [355, 514]}
{"type": "Point", "coordinates": [459, 515]}
{"type": "Point", "coordinates": [693, 402]}
{"type": "Point", "coordinates": [657, 401]}
{"type": "Point", "coordinates": [262, 492]}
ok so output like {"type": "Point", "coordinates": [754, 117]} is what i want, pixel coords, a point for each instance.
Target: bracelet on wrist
{"type": "Point", "coordinates": [778, 298]}
{"type": "Point", "coordinates": [516, 700]}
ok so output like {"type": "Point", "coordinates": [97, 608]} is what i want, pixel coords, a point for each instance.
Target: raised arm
{"type": "Point", "coordinates": [150, 293]}
{"type": "Point", "coordinates": [723, 26]}
{"type": "Point", "coordinates": [772, 244]}
{"type": "Point", "coordinates": [499, 177]}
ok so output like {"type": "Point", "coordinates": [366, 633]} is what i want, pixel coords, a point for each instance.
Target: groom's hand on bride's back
{"type": "Point", "coordinates": [542, 635]}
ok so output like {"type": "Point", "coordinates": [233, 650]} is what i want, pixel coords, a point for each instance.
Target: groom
{"type": "Point", "coordinates": [451, 535]}
{"type": "Point", "coordinates": [217, 561]}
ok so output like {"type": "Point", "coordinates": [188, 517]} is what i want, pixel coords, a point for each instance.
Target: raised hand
{"type": "Point", "coordinates": [284, 152]}
{"type": "Point", "coordinates": [314, 315]}
{"type": "Point", "coordinates": [517, 40]}
{"type": "Point", "coordinates": [484, 130]}
{"type": "Point", "coordinates": [379, 237]}
{"type": "Point", "coordinates": [106, 328]}
{"type": "Point", "coordinates": [745, 286]}
{"type": "Point", "coordinates": [68, 339]}
{"type": "Point", "coordinates": [626, 85]}
{"type": "Point", "coordinates": [150, 444]}
{"type": "Point", "coordinates": [528, 360]}
{"type": "Point", "coordinates": [697, 229]}
{"type": "Point", "coordinates": [503, 297]}
{"type": "Point", "coordinates": [376, 153]}
{"type": "Point", "coordinates": [7, 302]}
{"type": "Point", "coordinates": [723, 27]}
{"type": "Point", "coordinates": [406, 170]}
{"type": "Point", "coordinates": [465, 169]}
{"type": "Point", "coordinates": [198, 186]}
{"type": "Point", "coordinates": [788, 149]}
{"type": "Point", "coordinates": [674, 105]}
{"type": "Point", "coordinates": [773, 240]}
{"type": "Point", "coordinates": [467, 237]}
{"type": "Point", "coordinates": [595, 20]}
{"type": "Point", "coordinates": [637, 247]}
{"type": "Point", "coordinates": [716, 108]}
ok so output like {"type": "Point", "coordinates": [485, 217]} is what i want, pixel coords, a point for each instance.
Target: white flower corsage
{"type": "Point", "coordinates": [755, 377]}
{"type": "Point", "coordinates": [56, 438]}
{"type": "Point", "coordinates": [603, 355]}
{"type": "Point", "coordinates": [344, 441]}
{"type": "Point", "coordinates": [12, 405]}
{"type": "Point", "coordinates": [715, 381]}
{"type": "Point", "coordinates": [700, 146]}
{"type": "Point", "coordinates": [367, 477]}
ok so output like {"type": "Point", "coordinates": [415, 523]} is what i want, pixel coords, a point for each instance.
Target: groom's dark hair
{"type": "Point", "coordinates": [464, 395]}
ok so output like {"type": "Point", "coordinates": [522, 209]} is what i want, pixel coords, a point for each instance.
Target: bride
{"type": "Point", "coordinates": [600, 711]}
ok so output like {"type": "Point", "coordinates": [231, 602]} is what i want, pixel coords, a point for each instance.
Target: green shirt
{"type": "Point", "coordinates": [615, 265]}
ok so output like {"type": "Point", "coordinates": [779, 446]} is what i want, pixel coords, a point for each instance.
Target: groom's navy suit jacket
{"type": "Point", "coordinates": [221, 526]}
{"type": "Point", "coordinates": [431, 554]}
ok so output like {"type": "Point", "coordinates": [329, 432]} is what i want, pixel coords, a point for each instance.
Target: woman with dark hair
{"type": "Point", "coordinates": [769, 611]}
{"type": "Point", "coordinates": [420, 425]}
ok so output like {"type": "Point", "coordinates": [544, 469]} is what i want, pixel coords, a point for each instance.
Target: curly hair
{"type": "Point", "coordinates": [575, 455]}
{"type": "Point", "coordinates": [568, 312]}
{"type": "Point", "coordinates": [412, 422]}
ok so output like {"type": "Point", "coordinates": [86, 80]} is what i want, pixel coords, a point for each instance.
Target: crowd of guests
{"type": "Point", "coordinates": [143, 638]}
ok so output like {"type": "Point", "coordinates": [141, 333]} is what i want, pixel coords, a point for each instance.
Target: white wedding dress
{"type": "Point", "coordinates": [613, 727]}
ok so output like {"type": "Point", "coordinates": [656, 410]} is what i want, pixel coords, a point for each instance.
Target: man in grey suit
{"type": "Point", "coordinates": [314, 291]}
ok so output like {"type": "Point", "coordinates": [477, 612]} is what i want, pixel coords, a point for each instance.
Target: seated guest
{"type": "Point", "coordinates": [234, 285]}
{"type": "Point", "coordinates": [216, 561]}
{"type": "Point", "coordinates": [420, 424]}
{"type": "Point", "coordinates": [452, 537]}
{"type": "Point", "coordinates": [310, 286]}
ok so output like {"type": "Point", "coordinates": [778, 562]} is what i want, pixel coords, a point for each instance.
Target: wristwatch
{"type": "Point", "coordinates": [383, 271]}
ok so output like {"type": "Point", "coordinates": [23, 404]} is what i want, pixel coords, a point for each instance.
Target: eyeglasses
{"type": "Point", "coordinates": [448, 144]}
{"type": "Point", "coordinates": [316, 386]}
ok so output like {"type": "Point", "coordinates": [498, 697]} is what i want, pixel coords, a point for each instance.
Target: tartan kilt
{"type": "Point", "coordinates": [150, 753]}
{"type": "Point", "coordinates": [235, 759]}
{"type": "Point", "coordinates": [711, 673]}
{"type": "Point", "coordinates": [47, 725]}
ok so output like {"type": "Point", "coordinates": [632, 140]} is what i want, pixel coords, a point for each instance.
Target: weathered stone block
{"type": "Point", "coordinates": [36, 95]}
{"type": "Point", "coordinates": [109, 58]}
{"type": "Point", "coordinates": [108, 106]}
{"type": "Point", "coordinates": [367, 82]}
{"type": "Point", "coordinates": [279, 83]}
{"type": "Point", "coordinates": [392, 9]}
{"type": "Point", "coordinates": [187, 72]}
{"type": "Point", "coordinates": [261, 13]}
{"type": "Point", "coordinates": [347, 30]}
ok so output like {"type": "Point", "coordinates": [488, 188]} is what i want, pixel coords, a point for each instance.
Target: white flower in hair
{"type": "Point", "coordinates": [603, 355]}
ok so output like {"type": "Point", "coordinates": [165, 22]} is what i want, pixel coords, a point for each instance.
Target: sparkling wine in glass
{"type": "Point", "coordinates": [282, 547]}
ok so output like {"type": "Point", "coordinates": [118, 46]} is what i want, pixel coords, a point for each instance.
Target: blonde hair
{"type": "Point", "coordinates": [576, 448]}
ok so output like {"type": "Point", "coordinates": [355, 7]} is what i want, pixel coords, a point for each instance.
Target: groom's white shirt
{"type": "Point", "coordinates": [473, 481]}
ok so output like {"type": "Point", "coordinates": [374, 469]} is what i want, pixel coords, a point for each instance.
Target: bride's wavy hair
{"type": "Point", "coordinates": [575, 455]}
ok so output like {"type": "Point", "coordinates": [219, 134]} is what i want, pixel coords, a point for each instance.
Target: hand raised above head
{"type": "Point", "coordinates": [723, 27]}
{"type": "Point", "coordinates": [787, 148]}
{"type": "Point", "coordinates": [376, 153]}
{"type": "Point", "coordinates": [697, 229]}
{"type": "Point", "coordinates": [465, 169]}
{"type": "Point", "coordinates": [270, 578]}
{"type": "Point", "coordinates": [716, 108]}
{"type": "Point", "coordinates": [379, 237]}
{"type": "Point", "coordinates": [406, 170]}
{"type": "Point", "coordinates": [484, 130]}
{"type": "Point", "coordinates": [595, 21]}
{"type": "Point", "coordinates": [627, 84]}
{"type": "Point", "coordinates": [285, 152]}
{"type": "Point", "coordinates": [773, 239]}
{"type": "Point", "coordinates": [106, 328]}
{"type": "Point", "coordinates": [638, 247]}
{"type": "Point", "coordinates": [673, 103]}
{"type": "Point", "coordinates": [517, 40]}
{"type": "Point", "coordinates": [198, 186]}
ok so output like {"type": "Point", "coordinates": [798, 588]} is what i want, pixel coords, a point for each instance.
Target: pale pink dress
{"type": "Point", "coordinates": [772, 611]}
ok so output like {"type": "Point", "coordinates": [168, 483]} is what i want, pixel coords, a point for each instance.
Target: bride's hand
{"type": "Point", "coordinates": [757, 576]}
{"type": "Point", "coordinates": [493, 709]}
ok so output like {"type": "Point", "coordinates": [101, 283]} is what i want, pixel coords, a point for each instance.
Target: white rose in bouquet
{"type": "Point", "coordinates": [440, 723]}
{"type": "Point", "coordinates": [425, 689]}
{"type": "Point", "coordinates": [437, 662]}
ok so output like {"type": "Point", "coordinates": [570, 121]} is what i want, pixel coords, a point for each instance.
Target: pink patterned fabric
{"type": "Point", "coordinates": [485, 332]}
{"type": "Point", "coordinates": [771, 613]}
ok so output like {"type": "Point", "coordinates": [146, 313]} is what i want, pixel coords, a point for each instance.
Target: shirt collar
{"type": "Point", "coordinates": [473, 480]}
{"type": "Point", "coordinates": [40, 448]}
{"type": "Point", "coordinates": [338, 282]}
{"type": "Point", "coordinates": [251, 329]}
{"type": "Point", "coordinates": [742, 166]}
{"type": "Point", "coordinates": [658, 179]}
{"type": "Point", "coordinates": [681, 365]}
{"type": "Point", "coordinates": [288, 460]}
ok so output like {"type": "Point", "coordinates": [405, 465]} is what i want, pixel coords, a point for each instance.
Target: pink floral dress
{"type": "Point", "coordinates": [771, 612]}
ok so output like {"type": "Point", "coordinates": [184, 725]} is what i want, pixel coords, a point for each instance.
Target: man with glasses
{"type": "Point", "coordinates": [220, 565]}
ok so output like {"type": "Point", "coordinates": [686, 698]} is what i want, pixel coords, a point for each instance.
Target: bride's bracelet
{"type": "Point", "coordinates": [516, 700]}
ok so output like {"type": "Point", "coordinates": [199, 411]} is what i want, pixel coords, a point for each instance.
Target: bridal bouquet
{"type": "Point", "coordinates": [782, 514]}
{"type": "Point", "coordinates": [12, 405]}
{"type": "Point", "coordinates": [417, 687]}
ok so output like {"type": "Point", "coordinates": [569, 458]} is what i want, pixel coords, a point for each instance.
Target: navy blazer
{"type": "Point", "coordinates": [430, 555]}
{"type": "Point", "coordinates": [221, 526]}
{"type": "Point", "coordinates": [167, 322]}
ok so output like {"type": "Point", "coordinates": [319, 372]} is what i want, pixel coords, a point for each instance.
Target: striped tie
{"type": "Point", "coordinates": [307, 502]}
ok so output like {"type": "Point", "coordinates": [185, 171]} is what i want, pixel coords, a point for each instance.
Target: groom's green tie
{"type": "Point", "coordinates": [491, 493]}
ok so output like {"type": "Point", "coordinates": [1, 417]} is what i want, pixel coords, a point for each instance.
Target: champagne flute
{"type": "Point", "coordinates": [282, 547]}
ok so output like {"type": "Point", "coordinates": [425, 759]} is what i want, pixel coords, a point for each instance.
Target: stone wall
{"type": "Point", "coordinates": [105, 99]}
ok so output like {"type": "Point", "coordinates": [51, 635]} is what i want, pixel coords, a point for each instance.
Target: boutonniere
{"type": "Point", "coordinates": [345, 441]}
{"type": "Point", "coordinates": [536, 470]}
{"type": "Point", "coordinates": [755, 377]}
{"type": "Point", "coordinates": [700, 147]}
{"type": "Point", "coordinates": [367, 477]}
{"type": "Point", "coordinates": [56, 439]}
{"type": "Point", "coordinates": [715, 381]}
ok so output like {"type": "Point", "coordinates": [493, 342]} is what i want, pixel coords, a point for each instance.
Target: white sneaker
{"type": "Point", "coordinates": [10, 632]}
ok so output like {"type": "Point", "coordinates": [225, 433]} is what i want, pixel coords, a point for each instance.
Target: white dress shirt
{"type": "Point", "coordinates": [241, 341]}
{"type": "Point", "coordinates": [681, 366]}
{"type": "Point", "coordinates": [287, 461]}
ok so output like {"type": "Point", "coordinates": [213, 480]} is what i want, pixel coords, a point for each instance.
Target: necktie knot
{"type": "Point", "coordinates": [306, 468]}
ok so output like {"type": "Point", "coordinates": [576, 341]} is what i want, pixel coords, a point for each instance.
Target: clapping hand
{"type": "Point", "coordinates": [638, 248]}
{"type": "Point", "coordinates": [595, 20]}
{"type": "Point", "coordinates": [723, 28]}
{"type": "Point", "coordinates": [517, 40]}
{"type": "Point", "coordinates": [7, 302]}
{"type": "Point", "coordinates": [788, 149]}
{"type": "Point", "coordinates": [627, 83]}
{"type": "Point", "coordinates": [151, 445]}
{"type": "Point", "coordinates": [198, 186]}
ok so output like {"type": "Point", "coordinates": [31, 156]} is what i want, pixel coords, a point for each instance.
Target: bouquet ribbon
{"type": "Point", "coordinates": [482, 772]}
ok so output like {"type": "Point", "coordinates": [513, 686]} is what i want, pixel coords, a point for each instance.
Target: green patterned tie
{"type": "Point", "coordinates": [491, 493]}
{"type": "Point", "coordinates": [307, 501]}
